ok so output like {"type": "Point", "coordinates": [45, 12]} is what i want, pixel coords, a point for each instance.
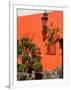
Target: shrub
{"type": "Point", "coordinates": [30, 60]}
{"type": "Point", "coordinates": [26, 57]}
{"type": "Point", "coordinates": [25, 42]}
{"type": "Point", "coordinates": [37, 66]}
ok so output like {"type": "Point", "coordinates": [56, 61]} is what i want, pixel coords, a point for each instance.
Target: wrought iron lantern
{"type": "Point", "coordinates": [44, 25]}
{"type": "Point", "coordinates": [44, 19]}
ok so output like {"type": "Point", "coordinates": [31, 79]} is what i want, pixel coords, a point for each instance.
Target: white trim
{"type": "Point", "coordinates": [13, 49]}
{"type": "Point", "coordinates": [22, 12]}
{"type": "Point", "coordinates": [11, 46]}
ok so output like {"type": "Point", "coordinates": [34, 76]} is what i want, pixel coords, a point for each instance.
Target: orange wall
{"type": "Point", "coordinates": [31, 26]}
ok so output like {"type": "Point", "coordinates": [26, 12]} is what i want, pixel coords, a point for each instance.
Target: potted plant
{"type": "Point", "coordinates": [51, 40]}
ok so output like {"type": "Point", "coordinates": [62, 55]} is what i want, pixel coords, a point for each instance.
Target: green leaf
{"type": "Point", "coordinates": [26, 56]}
{"type": "Point", "coordinates": [19, 51]}
{"type": "Point", "coordinates": [32, 47]}
{"type": "Point", "coordinates": [49, 40]}
{"type": "Point", "coordinates": [22, 68]}
{"type": "Point", "coordinates": [25, 42]}
{"type": "Point", "coordinates": [37, 66]}
{"type": "Point", "coordinates": [36, 58]}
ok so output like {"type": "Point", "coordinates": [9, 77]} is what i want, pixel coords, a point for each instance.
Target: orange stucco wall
{"type": "Point", "coordinates": [31, 26]}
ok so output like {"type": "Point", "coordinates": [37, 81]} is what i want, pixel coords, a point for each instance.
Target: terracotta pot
{"type": "Point", "coordinates": [52, 49]}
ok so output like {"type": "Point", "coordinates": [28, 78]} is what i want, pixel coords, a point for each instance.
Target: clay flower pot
{"type": "Point", "coordinates": [52, 48]}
